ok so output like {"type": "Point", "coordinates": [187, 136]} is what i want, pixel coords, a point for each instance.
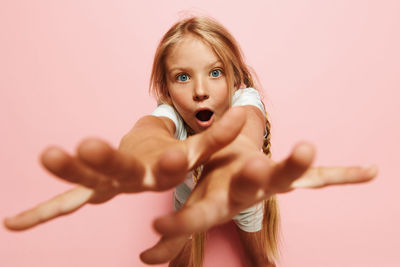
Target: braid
{"type": "Point", "coordinates": [267, 139]}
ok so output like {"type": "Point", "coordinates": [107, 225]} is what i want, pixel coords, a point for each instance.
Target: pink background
{"type": "Point", "coordinates": [330, 73]}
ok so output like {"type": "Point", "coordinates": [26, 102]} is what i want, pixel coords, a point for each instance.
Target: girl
{"type": "Point", "coordinates": [197, 73]}
{"type": "Point", "coordinates": [198, 77]}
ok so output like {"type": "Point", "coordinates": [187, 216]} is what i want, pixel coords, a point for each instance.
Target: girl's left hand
{"type": "Point", "coordinates": [236, 178]}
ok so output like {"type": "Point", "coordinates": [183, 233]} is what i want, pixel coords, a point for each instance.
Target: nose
{"type": "Point", "coordinates": [200, 92]}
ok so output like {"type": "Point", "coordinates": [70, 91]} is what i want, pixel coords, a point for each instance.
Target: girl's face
{"type": "Point", "coordinates": [196, 83]}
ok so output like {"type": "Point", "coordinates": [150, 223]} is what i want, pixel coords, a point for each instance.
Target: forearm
{"type": "Point", "coordinates": [150, 123]}
{"type": "Point", "coordinates": [145, 128]}
{"type": "Point", "coordinates": [253, 130]}
{"type": "Point", "coordinates": [251, 136]}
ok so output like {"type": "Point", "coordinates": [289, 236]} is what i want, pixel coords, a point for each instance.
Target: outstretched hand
{"type": "Point", "coordinates": [237, 179]}
{"type": "Point", "coordinates": [226, 190]}
{"type": "Point", "coordinates": [149, 159]}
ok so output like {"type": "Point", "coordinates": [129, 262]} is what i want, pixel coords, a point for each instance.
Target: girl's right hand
{"type": "Point", "coordinates": [149, 159]}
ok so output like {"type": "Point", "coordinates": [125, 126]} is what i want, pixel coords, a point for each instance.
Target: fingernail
{"type": "Point", "coordinates": [372, 170]}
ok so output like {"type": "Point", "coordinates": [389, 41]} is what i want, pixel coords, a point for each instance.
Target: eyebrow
{"type": "Point", "coordinates": [188, 68]}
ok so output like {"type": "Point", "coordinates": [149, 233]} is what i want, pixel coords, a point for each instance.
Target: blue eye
{"type": "Point", "coordinates": [216, 73]}
{"type": "Point", "coordinates": [182, 77]}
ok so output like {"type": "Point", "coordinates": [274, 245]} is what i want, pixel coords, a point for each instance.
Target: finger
{"type": "Point", "coordinates": [326, 176]}
{"type": "Point", "coordinates": [62, 204]}
{"type": "Point", "coordinates": [171, 169]}
{"type": "Point", "coordinates": [198, 217]}
{"type": "Point", "coordinates": [165, 250]}
{"type": "Point", "coordinates": [70, 169]}
{"type": "Point", "coordinates": [104, 159]}
{"type": "Point", "coordinates": [248, 185]}
{"type": "Point", "coordinates": [285, 172]}
{"type": "Point", "coordinates": [221, 133]}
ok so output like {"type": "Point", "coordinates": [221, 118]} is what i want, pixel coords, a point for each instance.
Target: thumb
{"type": "Point", "coordinates": [201, 146]}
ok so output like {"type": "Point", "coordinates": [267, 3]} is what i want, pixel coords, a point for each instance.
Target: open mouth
{"type": "Point", "coordinates": [204, 115]}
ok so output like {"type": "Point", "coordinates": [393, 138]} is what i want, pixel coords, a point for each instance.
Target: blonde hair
{"type": "Point", "coordinates": [238, 74]}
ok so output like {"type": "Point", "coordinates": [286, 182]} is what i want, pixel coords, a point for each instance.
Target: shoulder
{"type": "Point", "coordinates": [247, 96]}
{"type": "Point", "coordinates": [165, 110]}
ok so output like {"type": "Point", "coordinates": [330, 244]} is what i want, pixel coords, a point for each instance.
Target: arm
{"type": "Point", "coordinates": [240, 175]}
{"type": "Point", "coordinates": [148, 158]}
